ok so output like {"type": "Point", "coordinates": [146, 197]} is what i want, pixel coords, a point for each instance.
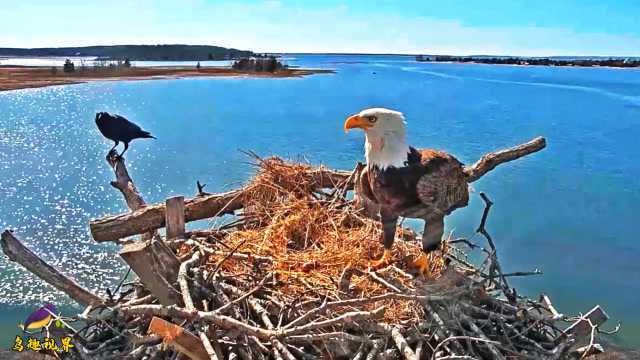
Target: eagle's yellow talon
{"type": "Point", "coordinates": [422, 264]}
{"type": "Point", "coordinates": [385, 260]}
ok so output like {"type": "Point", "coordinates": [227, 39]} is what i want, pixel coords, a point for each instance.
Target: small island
{"type": "Point", "coordinates": [15, 77]}
{"type": "Point", "coordinates": [539, 61]}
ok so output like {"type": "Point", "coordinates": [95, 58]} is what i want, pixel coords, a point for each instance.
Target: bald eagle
{"type": "Point", "coordinates": [404, 181]}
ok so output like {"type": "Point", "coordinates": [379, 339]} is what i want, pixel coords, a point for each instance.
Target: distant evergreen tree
{"type": "Point", "coordinates": [68, 66]}
{"type": "Point", "coordinates": [198, 65]}
{"type": "Point", "coordinates": [271, 64]}
{"type": "Point", "coordinates": [127, 63]}
{"type": "Point", "coordinates": [243, 64]}
{"type": "Point", "coordinates": [258, 66]}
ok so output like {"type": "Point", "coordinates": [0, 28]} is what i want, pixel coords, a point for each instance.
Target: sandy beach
{"type": "Point", "coordinates": [17, 77]}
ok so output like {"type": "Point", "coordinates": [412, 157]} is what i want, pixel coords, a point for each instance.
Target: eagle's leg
{"type": "Point", "coordinates": [431, 238]}
{"type": "Point", "coordinates": [389, 234]}
{"type": "Point", "coordinates": [114, 146]}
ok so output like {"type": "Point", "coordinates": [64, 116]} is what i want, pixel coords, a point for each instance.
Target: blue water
{"type": "Point", "coordinates": [571, 210]}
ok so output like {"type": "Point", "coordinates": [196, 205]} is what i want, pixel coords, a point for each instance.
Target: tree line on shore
{"type": "Point", "coordinates": [136, 52]}
{"type": "Point", "coordinates": [262, 63]}
{"type": "Point", "coordinates": [70, 67]}
{"type": "Point", "coordinates": [612, 62]}
{"type": "Point", "coordinates": [258, 64]}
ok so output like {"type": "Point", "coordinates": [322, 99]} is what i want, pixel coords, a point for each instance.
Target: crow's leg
{"type": "Point", "coordinates": [113, 153]}
{"type": "Point", "coordinates": [126, 146]}
{"type": "Point", "coordinates": [431, 238]}
{"type": "Point", "coordinates": [389, 233]}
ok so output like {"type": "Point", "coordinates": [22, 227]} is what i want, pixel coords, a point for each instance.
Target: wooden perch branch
{"type": "Point", "coordinates": [125, 184]}
{"type": "Point", "coordinates": [16, 251]}
{"type": "Point", "coordinates": [151, 217]}
{"type": "Point", "coordinates": [489, 161]}
{"type": "Point", "coordinates": [123, 181]}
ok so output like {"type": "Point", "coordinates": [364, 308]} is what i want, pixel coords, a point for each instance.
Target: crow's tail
{"type": "Point", "coordinates": [147, 135]}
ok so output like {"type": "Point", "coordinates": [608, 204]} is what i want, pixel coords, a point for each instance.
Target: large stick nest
{"type": "Point", "coordinates": [289, 278]}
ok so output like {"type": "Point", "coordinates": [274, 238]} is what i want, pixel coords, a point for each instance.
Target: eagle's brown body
{"type": "Point", "coordinates": [431, 185]}
{"type": "Point", "coordinates": [432, 182]}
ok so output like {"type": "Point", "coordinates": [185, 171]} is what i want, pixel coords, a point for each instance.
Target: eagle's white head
{"type": "Point", "coordinates": [385, 143]}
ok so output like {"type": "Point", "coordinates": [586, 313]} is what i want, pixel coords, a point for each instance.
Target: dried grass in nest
{"type": "Point", "coordinates": [312, 237]}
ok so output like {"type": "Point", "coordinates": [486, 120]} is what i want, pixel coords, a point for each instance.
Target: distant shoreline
{"type": "Point", "coordinates": [627, 63]}
{"type": "Point", "coordinates": [636, 68]}
{"type": "Point", "coordinates": [27, 77]}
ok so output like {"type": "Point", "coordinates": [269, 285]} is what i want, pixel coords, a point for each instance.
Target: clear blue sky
{"type": "Point", "coordinates": [535, 27]}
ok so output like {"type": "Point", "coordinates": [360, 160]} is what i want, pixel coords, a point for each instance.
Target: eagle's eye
{"type": "Point", "coordinates": [372, 119]}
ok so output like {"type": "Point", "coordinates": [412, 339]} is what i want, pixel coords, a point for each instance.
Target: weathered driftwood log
{"type": "Point", "coordinates": [16, 251]}
{"type": "Point", "coordinates": [123, 181]}
{"type": "Point", "coordinates": [151, 217]}
{"type": "Point", "coordinates": [156, 268]}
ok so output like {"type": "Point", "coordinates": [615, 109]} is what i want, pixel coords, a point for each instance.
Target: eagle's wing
{"type": "Point", "coordinates": [363, 196]}
{"type": "Point", "coordinates": [443, 187]}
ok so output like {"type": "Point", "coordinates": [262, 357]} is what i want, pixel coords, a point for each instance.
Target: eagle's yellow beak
{"type": "Point", "coordinates": [356, 121]}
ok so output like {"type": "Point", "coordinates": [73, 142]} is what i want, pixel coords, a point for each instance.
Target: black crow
{"type": "Point", "coordinates": [117, 128]}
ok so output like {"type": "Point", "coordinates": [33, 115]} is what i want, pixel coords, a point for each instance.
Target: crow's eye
{"type": "Point", "coordinates": [372, 119]}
